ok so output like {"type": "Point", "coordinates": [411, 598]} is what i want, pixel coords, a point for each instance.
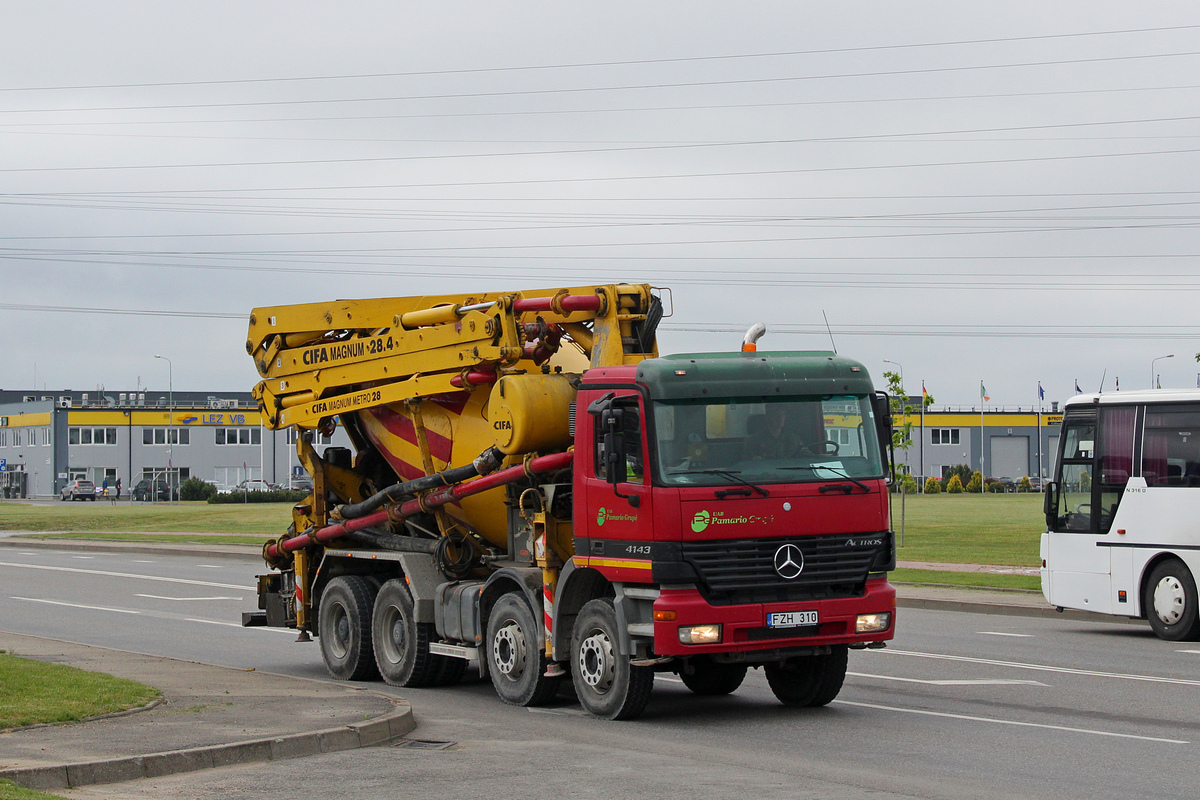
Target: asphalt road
{"type": "Point", "coordinates": [960, 705]}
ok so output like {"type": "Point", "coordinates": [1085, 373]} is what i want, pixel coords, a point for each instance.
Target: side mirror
{"type": "Point", "coordinates": [881, 405]}
{"type": "Point", "coordinates": [612, 419]}
{"type": "Point", "coordinates": [1050, 504]}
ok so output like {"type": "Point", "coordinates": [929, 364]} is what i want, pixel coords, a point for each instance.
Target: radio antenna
{"type": "Point", "coordinates": [1102, 374]}
{"type": "Point", "coordinates": [830, 330]}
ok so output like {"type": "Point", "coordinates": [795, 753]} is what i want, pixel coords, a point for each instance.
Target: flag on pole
{"type": "Point", "coordinates": [1158, 382]}
{"type": "Point", "coordinates": [1077, 389]}
{"type": "Point", "coordinates": [1118, 384]}
{"type": "Point", "coordinates": [1041, 391]}
{"type": "Point", "coordinates": [983, 392]}
{"type": "Point", "coordinates": [925, 392]}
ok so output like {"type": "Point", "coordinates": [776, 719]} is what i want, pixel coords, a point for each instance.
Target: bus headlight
{"type": "Point", "coordinates": [700, 634]}
{"type": "Point", "coordinates": [872, 623]}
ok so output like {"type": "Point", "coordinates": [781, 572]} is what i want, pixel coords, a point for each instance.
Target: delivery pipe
{"type": "Point", "coordinates": [275, 550]}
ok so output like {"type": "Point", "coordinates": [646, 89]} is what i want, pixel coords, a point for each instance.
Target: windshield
{"type": "Point", "coordinates": [765, 440]}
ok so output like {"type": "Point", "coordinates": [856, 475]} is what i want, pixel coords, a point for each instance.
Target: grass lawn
{"type": "Point", "coordinates": [34, 691]}
{"type": "Point", "coordinates": [973, 579]}
{"type": "Point", "coordinates": [259, 521]}
{"type": "Point", "coordinates": [1002, 529]}
{"type": "Point", "coordinates": [10, 791]}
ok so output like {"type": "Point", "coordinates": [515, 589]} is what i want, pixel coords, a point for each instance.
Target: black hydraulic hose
{"type": "Point", "coordinates": [487, 462]}
{"type": "Point", "coordinates": [402, 544]}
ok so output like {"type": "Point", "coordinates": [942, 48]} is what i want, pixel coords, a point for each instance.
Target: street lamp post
{"type": "Point", "coordinates": [1160, 358]}
{"type": "Point", "coordinates": [170, 425]}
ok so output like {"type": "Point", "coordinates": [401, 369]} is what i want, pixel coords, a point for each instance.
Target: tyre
{"type": "Point", "coordinates": [710, 678]}
{"type": "Point", "coordinates": [344, 628]}
{"type": "Point", "coordinates": [516, 662]}
{"type": "Point", "coordinates": [1170, 602]}
{"type": "Point", "coordinates": [809, 680]}
{"type": "Point", "coordinates": [608, 686]}
{"type": "Point", "coordinates": [401, 643]}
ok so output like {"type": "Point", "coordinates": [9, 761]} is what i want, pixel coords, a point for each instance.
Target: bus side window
{"type": "Point", "coordinates": [1171, 445]}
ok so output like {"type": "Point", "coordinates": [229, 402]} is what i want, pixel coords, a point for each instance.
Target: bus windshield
{"type": "Point", "coordinates": [766, 440]}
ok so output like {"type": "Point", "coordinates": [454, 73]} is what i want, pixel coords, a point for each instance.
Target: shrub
{"type": "Point", "coordinates": [196, 489]}
{"type": "Point", "coordinates": [277, 496]}
{"type": "Point", "coordinates": [961, 470]}
{"type": "Point", "coordinates": [954, 486]}
{"type": "Point", "coordinates": [996, 487]}
{"type": "Point", "coordinates": [932, 486]}
{"type": "Point", "coordinates": [1025, 485]}
{"type": "Point", "coordinates": [975, 485]}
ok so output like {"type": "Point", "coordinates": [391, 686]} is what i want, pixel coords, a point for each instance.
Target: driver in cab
{"type": "Point", "coordinates": [768, 436]}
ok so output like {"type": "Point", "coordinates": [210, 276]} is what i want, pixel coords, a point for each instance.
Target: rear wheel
{"type": "Point", "coordinates": [1171, 602]}
{"type": "Point", "coordinates": [401, 643]}
{"type": "Point", "coordinates": [516, 662]}
{"type": "Point", "coordinates": [344, 628]}
{"type": "Point", "coordinates": [608, 686]}
{"type": "Point", "coordinates": [809, 680]}
{"type": "Point", "coordinates": [710, 678]}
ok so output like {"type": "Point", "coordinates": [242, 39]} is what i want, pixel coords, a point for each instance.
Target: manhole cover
{"type": "Point", "coordinates": [424, 744]}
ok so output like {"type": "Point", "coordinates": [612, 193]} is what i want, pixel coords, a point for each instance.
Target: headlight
{"type": "Point", "coordinates": [872, 623]}
{"type": "Point", "coordinates": [700, 634]}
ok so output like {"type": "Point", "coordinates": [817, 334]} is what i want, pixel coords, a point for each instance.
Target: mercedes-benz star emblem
{"type": "Point", "coordinates": [789, 562]}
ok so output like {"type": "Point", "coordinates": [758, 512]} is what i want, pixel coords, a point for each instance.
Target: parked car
{"type": "Point", "coordinates": [254, 486]}
{"type": "Point", "coordinates": [160, 490]}
{"type": "Point", "coordinates": [300, 484]}
{"type": "Point", "coordinates": [79, 490]}
{"type": "Point", "coordinates": [220, 487]}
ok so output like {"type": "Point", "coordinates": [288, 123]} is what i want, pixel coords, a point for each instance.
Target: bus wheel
{"type": "Point", "coordinates": [608, 686]}
{"type": "Point", "coordinates": [1171, 603]}
{"type": "Point", "coordinates": [710, 678]}
{"type": "Point", "coordinates": [516, 662]}
{"type": "Point", "coordinates": [344, 628]}
{"type": "Point", "coordinates": [809, 680]}
{"type": "Point", "coordinates": [401, 643]}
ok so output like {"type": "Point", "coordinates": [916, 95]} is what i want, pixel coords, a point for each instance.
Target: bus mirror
{"type": "Point", "coordinates": [1050, 504]}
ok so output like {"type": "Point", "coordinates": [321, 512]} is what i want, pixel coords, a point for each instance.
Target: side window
{"type": "Point", "coordinates": [631, 426]}
{"type": "Point", "coordinates": [1171, 445]}
{"type": "Point", "coordinates": [1074, 511]}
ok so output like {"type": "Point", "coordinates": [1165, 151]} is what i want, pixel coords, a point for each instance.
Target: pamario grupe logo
{"type": "Point", "coordinates": [704, 518]}
{"type": "Point", "coordinates": [700, 521]}
{"type": "Point", "coordinates": [603, 515]}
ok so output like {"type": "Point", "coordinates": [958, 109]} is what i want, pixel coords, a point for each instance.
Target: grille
{"type": "Point", "coordinates": [743, 570]}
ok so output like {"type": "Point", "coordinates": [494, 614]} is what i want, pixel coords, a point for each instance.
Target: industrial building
{"type": "Point", "coordinates": [49, 438]}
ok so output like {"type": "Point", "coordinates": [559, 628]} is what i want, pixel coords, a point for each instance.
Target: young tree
{"type": "Point", "coordinates": [902, 413]}
{"type": "Point", "coordinates": [954, 486]}
{"type": "Point", "coordinates": [1025, 486]}
{"type": "Point", "coordinates": [932, 486]}
{"type": "Point", "coordinates": [975, 485]}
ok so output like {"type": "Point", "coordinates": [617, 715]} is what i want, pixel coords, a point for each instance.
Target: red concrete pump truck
{"type": "Point", "coordinates": [534, 488]}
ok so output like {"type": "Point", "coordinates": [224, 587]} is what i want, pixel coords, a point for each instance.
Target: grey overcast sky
{"type": "Point", "coordinates": [995, 192]}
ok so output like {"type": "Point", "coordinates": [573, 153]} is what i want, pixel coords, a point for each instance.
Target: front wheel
{"type": "Point", "coordinates": [1171, 602]}
{"type": "Point", "coordinates": [344, 628]}
{"type": "Point", "coordinates": [516, 663]}
{"type": "Point", "coordinates": [809, 680]}
{"type": "Point", "coordinates": [608, 686]}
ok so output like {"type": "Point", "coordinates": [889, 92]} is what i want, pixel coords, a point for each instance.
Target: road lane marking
{"type": "Point", "coordinates": [288, 631]}
{"type": "Point", "coordinates": [1187, 651]}
{"type": "Point", "coordinates": [676, 680]}
{"type": "Point", "coordinates": [76, 605]}
{"type": "Point", "coordinates": [208, 566]}
{"type": "Point", "coordinates": [108, 574]}
{"type": "Point", "coordinates": [189, 599]}
{"type": "Point", "coordinates": [86, 558]}
{"type": "Point", "coordinates": [981, 682]}
{"type": "Point", "coordinates": [998, 633]}
{"type": "Point", "coordinates": [1009, 722]}
{"type": "Point", "coordinates": [1041, 667]}
{"type": "Point", "coordinates": [142, 561]}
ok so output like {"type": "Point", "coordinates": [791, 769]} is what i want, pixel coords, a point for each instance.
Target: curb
{"type": "Point", "coordinates": [146, 548]}
{"type": "Point", "coordinates": [380, 730]}
{"type": "Point", "coordinates": [1012, 611]}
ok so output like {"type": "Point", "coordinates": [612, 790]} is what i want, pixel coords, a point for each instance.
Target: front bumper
{"type": "Point", "coordinates": [744, 627]}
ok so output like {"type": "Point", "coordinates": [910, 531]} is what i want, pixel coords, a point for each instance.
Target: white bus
{"type": "Point", "coordinates": [1123, 512]}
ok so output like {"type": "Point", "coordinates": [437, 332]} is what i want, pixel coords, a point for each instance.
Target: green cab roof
{"type": "Point", "coordinates": [756, 374]}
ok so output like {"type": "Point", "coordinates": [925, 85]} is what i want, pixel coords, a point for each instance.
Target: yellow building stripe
{"type": "Point", "coordinates": [23, 420]}
{"type": "Point", "coordinates": [592, 561]}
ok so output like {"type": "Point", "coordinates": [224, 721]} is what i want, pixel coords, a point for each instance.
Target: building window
{"type": "Point", "coordinates": [46, 435]}
{"type": "Point", "coordinates": [944, 435]}
{"type": "Point", "coordinates": [239, 436]}
{"type": "Point", "coordinates": [16, 437]}
{"type": "Point", "coordinates": [3, 438]}
{"type": "Point", "coordinates": [166, 436]}
{"type": "Point", "coordinates": [91, 436]}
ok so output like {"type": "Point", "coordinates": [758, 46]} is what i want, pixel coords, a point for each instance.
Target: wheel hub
{"type": "Point", "coordinates": [508, 651]}
{"type": "Point", "coordinates": [341, 633]}
{"type": "Point", "coordinates": [1169, 600]}
{"type": "Point", "coordinates": [596, 661]}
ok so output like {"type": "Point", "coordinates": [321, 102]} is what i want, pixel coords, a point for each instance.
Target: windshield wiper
{"type": "Point", "coordinates": [724, 473]}
{"type": "Point", "coordinates": [837, 472]}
